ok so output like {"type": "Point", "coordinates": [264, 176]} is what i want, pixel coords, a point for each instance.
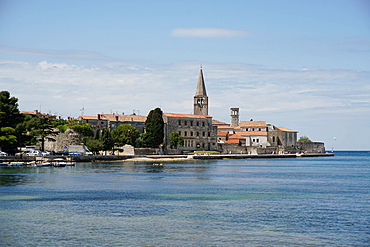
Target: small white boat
{"type": "Point", "coordinates": [16, 163]}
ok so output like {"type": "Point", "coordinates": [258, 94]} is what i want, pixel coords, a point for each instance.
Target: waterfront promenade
{"type": "Point", "coordinates": [97, 158]}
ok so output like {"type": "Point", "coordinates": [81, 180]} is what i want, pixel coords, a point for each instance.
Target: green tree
{"type": "Point", "coordinates": [10, 117]}
{"type": "Point", "coordinates": [106, 139]}
{"type": "Point", "coordinates": [175, 140]}
{"type": "Point", "coordinates": [304, 139]}
{"type": "Point", "coordinates": [125, 134]}
{"type": "Point", "coordinates": [84, 129]}
{"type": "Point", "coordinates": [154, 126]}
{"type": "Point", "coordinates": [93, 145]}
{"type": "Point", "coordinates": [41, 127]}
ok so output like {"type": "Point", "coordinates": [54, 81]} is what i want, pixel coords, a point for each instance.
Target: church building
{"type": "Point", "coordinates": [196, 129]}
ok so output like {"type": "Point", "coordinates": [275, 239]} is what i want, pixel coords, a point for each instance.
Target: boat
{"type": "Point", "coordinates": [60, 162]}
{"type": "Point", "coordinates": [16, 163]}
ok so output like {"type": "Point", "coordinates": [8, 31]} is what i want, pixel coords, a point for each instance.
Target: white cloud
{"type": "Point", "coordinates": [207, 33]}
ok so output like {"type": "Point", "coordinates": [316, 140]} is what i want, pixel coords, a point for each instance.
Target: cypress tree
{"type": "Point", "coordinates": [154, 125]}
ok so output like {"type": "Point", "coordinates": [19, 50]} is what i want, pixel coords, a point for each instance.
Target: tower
{"type": "Point", "coordinates": [234, 117]}
{"type": "Point", "coordinates": [201, 98]}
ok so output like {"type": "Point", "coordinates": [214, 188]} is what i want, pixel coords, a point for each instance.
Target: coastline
{"type": "Point", "coordinates": [162, 158]}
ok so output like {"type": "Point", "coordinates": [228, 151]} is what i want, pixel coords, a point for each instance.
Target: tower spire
{"type": "Point", "coordinates": [201, 86]}
{"type": "Point", "coordinates": [201, 98]}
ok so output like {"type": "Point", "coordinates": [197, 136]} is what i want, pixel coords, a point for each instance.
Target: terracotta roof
{"type": "Point", "coordinates": [34, 113]}
{"type": "Point", "coordinates": [286, 130]}
{"type": "Point", "coordinates": [224, 128]}
{"type": "Point", "coordinates": [235, 136]}
{"type": "Point", "coordinates": [91, 118]}
{"type": "Point", "coordinates": [216, 122]}
{"type": "Point", "coordinates": [252, 123]}
{"type": "Point", "coordinates": [252, 133]}
{"type": "Point", "coordinates": [232, 141]}
{"type": "Point", "coordinates": [185, 115]}
{"type": "Point", "coordinates": [222, 133]}
{"type": "Point", "coordinates": [125, 118]}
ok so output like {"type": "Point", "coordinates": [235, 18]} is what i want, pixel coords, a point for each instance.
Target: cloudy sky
{"type": "Point", "coordinates": [303, 65]}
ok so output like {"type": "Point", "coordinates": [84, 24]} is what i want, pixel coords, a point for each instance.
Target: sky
{"type": "Point", "coordinates": [303, 65]}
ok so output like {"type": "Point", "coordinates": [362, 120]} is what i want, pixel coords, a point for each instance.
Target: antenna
{"type": "Point", "coordinates": [82, 110]}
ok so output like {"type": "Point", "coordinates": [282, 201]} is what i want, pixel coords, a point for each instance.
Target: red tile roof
{"type": "Point", "coordinates": [232, 141]}
{"type": "Point", "coordinates": [125, 118]}
{"type": "Point", "coordinates": [185, 115]}
{"type": "Point", "coordinates": [235, 136]}
{"type": "Point", "coordinates": [286, 130]}
{"type": "Point", "coordinates": [252, 123]}
{"type": "Point", "coordinates": [92, 118]}
{"type": "Point", "coordinates": [216, 122]}
{"type": "Point", "coordinates": [222, 133]}
{"type": "Point", "coordinates": [252, 133]}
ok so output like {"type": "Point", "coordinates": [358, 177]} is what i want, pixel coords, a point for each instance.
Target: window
{"type": "Point", "coordinates": [204, 133]}
{"type": "Point", "coordinates": [179, 122]}
{"type": "Point", "coordinates": [185, 133]}
{"type": "Point", "coordinates": [191, 123]}
{"type": "Point", "coordinates": [257, 140]}
{"type": "Point", "coordinates": [191, 133]}
{"type": "Point", "coordinates": [185, 122]}
{"type": "Point", "coordinates": [197, 123]}
{"type": "Point", "coordinates": [203, 124]}
{"type": "Point", "coordinates": [180, 133]}
{"type": "Point", "coordinates": [197, 133]}
{"type": "Point", "coordinates": [209, 134]}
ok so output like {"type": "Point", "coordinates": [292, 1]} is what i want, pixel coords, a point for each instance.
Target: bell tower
{"type": "Point", "coordinates": [201, 98]}
{"type": "Point", "coordinates": [234, 116]}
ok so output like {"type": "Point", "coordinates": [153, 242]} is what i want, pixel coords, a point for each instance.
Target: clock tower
{"type": "Point", "coordinates": [201, 98]}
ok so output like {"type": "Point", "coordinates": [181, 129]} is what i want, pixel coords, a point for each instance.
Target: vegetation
{"type": "Point", "coordinates": [10, 117]}
{"type": "Point", "coordinates": [125, 134]}
{"type": "Point", "coordinates": [175, 140]}
{"type": "Point", "coordinates": [304, 139]}
{"type": "Point", "coordinates": [18, 130]}
{"type": "Point", "coordinates": [154, 129]}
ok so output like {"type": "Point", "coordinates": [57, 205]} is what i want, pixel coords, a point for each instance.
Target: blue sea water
{"type": "Point", "coordinates": [322, 201]}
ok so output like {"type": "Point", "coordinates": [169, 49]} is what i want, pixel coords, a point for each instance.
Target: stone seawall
{"type": "Point", "coordinates": [102, 158]}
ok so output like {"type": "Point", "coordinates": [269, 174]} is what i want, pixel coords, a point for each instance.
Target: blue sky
{"type": "Point", "coordinates": [303, 65]}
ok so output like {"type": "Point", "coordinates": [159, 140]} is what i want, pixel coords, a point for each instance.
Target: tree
{"type": "Point", "coordinates": [41, 127]}
{"type": "Point", "coordinates": [106, 139]}
{"type": "Point", "coordinates": [125, 134]}
{"type": "Point", "coordinates": [304, 139]}
{"type": "Point", "coordinates": [154, 125]}
{"type": "Point", "coordinates": [84, 129]}
{"type": "Point", "coordinates": [93, 145]}
{"type": "Point", "coordinates": [10, 117]}
{"type": "Point", "coordinates": [175, 140]}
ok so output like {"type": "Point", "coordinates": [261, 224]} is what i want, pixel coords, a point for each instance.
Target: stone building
{"type": "Point", "coordinates": [112, 121]}
{"type": "Point", "coordinates": [240, 136]}
{"type": "Point", "coordinates": [197, 129]}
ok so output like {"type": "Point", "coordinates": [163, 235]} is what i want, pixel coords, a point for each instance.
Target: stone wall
{"type": "Point", "coordinates": [61, 140]}
{"type": "Point", "coordinates": [311, 147]}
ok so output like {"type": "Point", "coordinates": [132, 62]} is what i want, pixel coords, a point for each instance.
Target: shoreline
{"type": "Point", "coordinates": [162, 158]}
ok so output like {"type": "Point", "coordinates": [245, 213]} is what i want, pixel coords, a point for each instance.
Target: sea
{"type": "Point", "coordinates": [308, 201]}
